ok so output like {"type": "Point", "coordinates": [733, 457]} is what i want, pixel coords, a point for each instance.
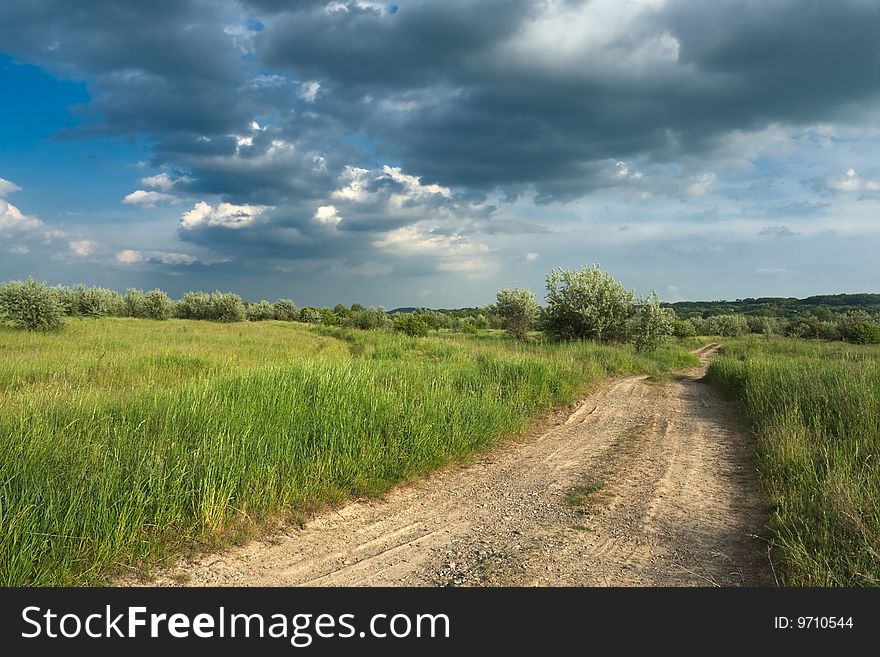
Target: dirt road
{"type": "Point", "coordinates": [645, 484]}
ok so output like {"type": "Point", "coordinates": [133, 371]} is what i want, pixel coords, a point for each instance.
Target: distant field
{"type": "Point", "coordinates": [124, 441]}
{"type": "Point", "coordinates": [815, 407]}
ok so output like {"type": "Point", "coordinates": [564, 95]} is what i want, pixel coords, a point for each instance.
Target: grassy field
{"type": "Point", "coordinates": [123, 442]}
{"type": "Point", "coordinates": [816, 410]}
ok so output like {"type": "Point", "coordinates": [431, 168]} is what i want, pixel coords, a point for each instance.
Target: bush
{"type": "Point", "coordinates": [651, 324]}
{"type": "Point", "coordinates": [412, 324]}
{"type": "Point", "coordinates": [310, 315]}
{"type": "Point", "coordinates": [285, 310]}
{"type": "Point", "coordinates": [158, 305]}
{"type": "Point", "coordinates": [155, 304]}
{"type": "Point", "coordinates": [217, 306]}
{"type": "Point", "coordinates": [260, 312]}
{"type": "Point", "coordinates": [865, 332]}
{"type": "Point", "coordinates": [31, 305]}
{"type": "Point", "coordinates": [518, 308]}
{"type": "Point", "coordinates": [96, 302]}
{"type": "Point", "coordinates": [134, 303]}
{"type": "Point", "coordinates": [328, 317]}
{"type": "Point", "coordinates": [683, 328]}
{"type": "Point", "coordinates": [727, 325]}
{"type": "Point", "coordinates": [586, 303]}
{"type": "Point", "coordinates": [226, 307]}
{"type": "Point", "coordinates": [367, 318]}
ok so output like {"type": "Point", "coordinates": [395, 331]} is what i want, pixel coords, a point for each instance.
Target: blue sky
{"type": "Point", "coordinates": [429, 153]}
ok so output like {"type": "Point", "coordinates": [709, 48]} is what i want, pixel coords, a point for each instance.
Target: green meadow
{"type": "Point", "coordinates": [125, 442]}
{"type": "Point", "coordinates": [815, 407]}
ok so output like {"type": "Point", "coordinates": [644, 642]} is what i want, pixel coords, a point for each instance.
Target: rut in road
{"type": "Point", "coordinates": [645, 484]}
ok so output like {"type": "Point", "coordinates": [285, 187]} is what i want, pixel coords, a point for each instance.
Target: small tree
{"type": "Point", "coordinates": [31, 305]}
{"type": "Point", "coordinates": [260, 312]}
{"type": "Point", "coordinates": [411, 324]}
{"type": "Point", "coordinates": [157, 305]}
{"type": "Point", "coordinates": [727, 325]}
{"type": "Point", "coordinates": [865, 332]}
{"type": "Point", "coordinates": [367, 319]}
{"type": "Point", "coordinates": [683, 328]}
{"type": "Point", "coordinates": [310, 315]}
{"type": "Point", "coordinates": [518, 308]}
{"type": "Point", "coordinates": [134, 303]}
{"type": "Point", "coordinates": [652, 323]}
{"type": "Point", "coordinates": [285, 310]}
{"type": "Point", "coordinates": [587, 303]}
{"type": "Point", "coordinates": [97, 302]}
{"type": "Point", "coordinates": [226, 307]}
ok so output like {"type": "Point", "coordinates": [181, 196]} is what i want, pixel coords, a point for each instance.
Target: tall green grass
{"type": "Point", "coordinates": [816, 410]}
{"type": "Point", "coordinates": [125, 441]}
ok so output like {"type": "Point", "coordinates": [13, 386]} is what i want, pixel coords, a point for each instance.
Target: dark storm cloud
{"type": "Point", "coordinates": [274, 103]}
{"type": "Point", "coordinates": [450, 90]}
{"type": "Point", "coordinates": [740, 66]}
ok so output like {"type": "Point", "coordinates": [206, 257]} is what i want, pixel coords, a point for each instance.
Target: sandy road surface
{"type": "Point", "coordinates": [645, 484]}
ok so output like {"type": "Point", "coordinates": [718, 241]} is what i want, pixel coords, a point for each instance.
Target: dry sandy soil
{"type": "Point", "coordinates": [644, 484]}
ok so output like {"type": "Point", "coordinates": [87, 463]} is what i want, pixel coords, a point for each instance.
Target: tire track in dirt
{"type": "Point", "coordinates": [644, 484]}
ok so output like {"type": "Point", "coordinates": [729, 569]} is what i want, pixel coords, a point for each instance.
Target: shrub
{"type": "Point", "coordinates": [367, 319]}
{"type": "Point", "coordinates": [31, 305]}
{"type": "Point", "coordinates": [727, 325]}
{"type": "Point", "coordinates": [865, 332]}
{"type": "Point", "coordinates": [194, 305]}
{"type": "Point", "coordinates": [764, 325]}
{"type": "Point", "coordinates": [97, 302]}
{"type": "Point", "coordinates": [518, 308]}
{"type": "Point", "coordinates": [217, 306]}
{"type": "Point", "coordinates": [285, 310]}
{"type": "Point", "coordinates": [683, 328]}
{"type": "Point", "coordinates": [310, 315]}
{"type": "Point", "coordinates": [651, 324]}
{"type": "Point", "coordinates": [226, 307]}
{"type": "Point", "coordinates": [158, 305]}
{"type": "Point", "coordinates": [586, 303]}
{"type": "Point", "coordinates": [260, 312]}
{"type": "Point", "coordinates": [847, 321]}
{"type": "Point", "coordinates": [134, 303]}
{"type": "Point", "coordinates": [328, 317]}
{"type": "Point", "coordinates": [412, 324]}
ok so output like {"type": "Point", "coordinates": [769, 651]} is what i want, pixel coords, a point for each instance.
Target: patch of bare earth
{"type": "Point", "coordinates": [645, 484]}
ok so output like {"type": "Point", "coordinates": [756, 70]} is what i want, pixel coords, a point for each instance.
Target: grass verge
{"type": "Point", "coordinates": [815, 407]}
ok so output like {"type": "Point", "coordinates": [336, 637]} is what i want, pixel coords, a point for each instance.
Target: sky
{"type": "Point", "coordinates": [431, 152]}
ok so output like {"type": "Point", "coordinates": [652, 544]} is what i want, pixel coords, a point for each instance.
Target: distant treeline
{"type": "Point", "coordinates": [787, 307]}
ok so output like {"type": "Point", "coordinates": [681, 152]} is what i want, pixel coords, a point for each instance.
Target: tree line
{"type": "Point", "coordinates": [585, 303]}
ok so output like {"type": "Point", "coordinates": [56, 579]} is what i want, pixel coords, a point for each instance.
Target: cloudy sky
{"type": "Point", "coordinates": [429, 152]}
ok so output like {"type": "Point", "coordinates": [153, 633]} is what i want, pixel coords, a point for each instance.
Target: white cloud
{"type": "Point", "coordinates": [83, 248]}
{"type": "Point", "coordinates": [7, 187]}
{"type": "Point", "coordinates": [852, 182]}
{"type": "Point", "coordinates": [12, 220]}
{"type": "Point", "coordinates": [19, 249]}
{"type": "Point", "coordinates": [162, 181]}
{"type": "Point", "coordinates": [700, 184]}
{"type": "Point", "coordinates": [357, 180]}
{"type": "Point", "coordinates": [226, 215]}
{"type": "Point", "coordinates": [308, 91]}
{"type": "Point", "coordinates": [327, 214]}
{"type": "Point", "coordinates": [146, 199]}
{"type": "Point", "coordinates": [602, 37]}
{"type": "Point", "coordinates": [129, 257]}
{"type": "Point", "coordinates": [133, 257]}
{"type": "Point", "coordinates": [531, 257]}
{"type": "Point", "coordinates": [455, 252]}
{"type": "Point", "coordinates": [413, 184]}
